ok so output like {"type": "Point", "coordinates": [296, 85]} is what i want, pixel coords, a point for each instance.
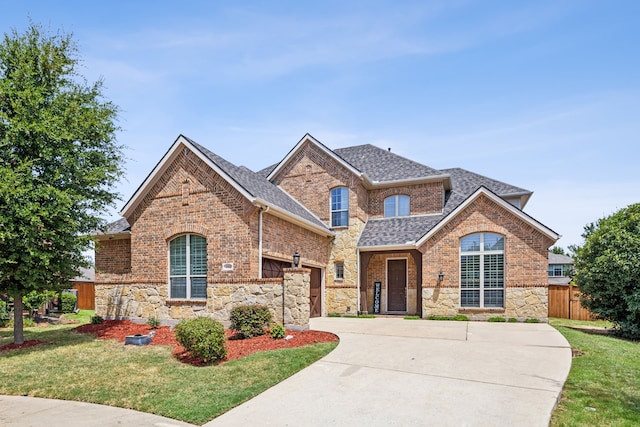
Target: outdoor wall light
{"type": "Point", "coordinates": [296, 259]}
{"type": "Point", "coordinates": [440, 276]}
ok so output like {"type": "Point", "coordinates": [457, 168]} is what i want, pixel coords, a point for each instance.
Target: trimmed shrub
{"type": "Point", "coordinates": [458, 317]}
{"type": "Point", "coordinates": [334, 315]}
{"type": "Point", "coordinates": [250, 320]}
{"type": "Point", "coordinates": [497, 319]}
{"type": "Point", "coordinates": [202, 337]}
{"type": "Point", "coordinates": [277, 331]}
{"type": "Point", "coordinates": [513, 320]}
{"type": "Point", "coordinates": [532, 320]}
{"type": "Point", "coordinates": [68, 302]}
{"type": "Point", "coordinates": [153, 321]}
{"type": "Point", "coordinates": [96, 320]}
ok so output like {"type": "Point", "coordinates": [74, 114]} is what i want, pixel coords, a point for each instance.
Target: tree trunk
{"type": "Point", "coordinates": [18, 326]}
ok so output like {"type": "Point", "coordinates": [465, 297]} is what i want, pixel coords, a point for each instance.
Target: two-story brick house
{"type": "Point", "coordinates": [378, 233]}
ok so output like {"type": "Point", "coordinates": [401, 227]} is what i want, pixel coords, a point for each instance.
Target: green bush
{"type": "Point", "coordinates": [153, 321]}
{"type": "Point", "coordinates": [458, 317]}
{"type": "Point", "coordinates": [250, 320]}
{"type": "Point", "coordinates": [497, 319]}
{"type": "Point", "coordinates": [513, 320]}
{"type": "Point", "coordinates": [334, 315]}
{"type": "Point", "coordinates": [414, 317]}
{"type": "Point", "coordinates": [67, 302]}
{"type": "Point", "coordinates": [96, 320]}
{"type": "Point", "coordinates": [203, 337]}
{"type": "Point", "coordinates": [277, 332]}
{"type": "Point", "coordinates": [532, 320]}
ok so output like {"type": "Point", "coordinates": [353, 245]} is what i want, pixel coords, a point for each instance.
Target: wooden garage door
{"type": "Point", "coordinates": [315, 293]}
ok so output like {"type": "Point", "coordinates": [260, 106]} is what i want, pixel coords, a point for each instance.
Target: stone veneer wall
{"type": "Point", "coordinates": [341, 295]}
{"type": "Point", "coordinates": [141, 301]}
{"type": "Point", "coordinates": [520, 303]}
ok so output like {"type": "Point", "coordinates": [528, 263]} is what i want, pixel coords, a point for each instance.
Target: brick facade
{"type": "Point", "coordinates": [526, 254]}
{"type": "Point", "coordinates": [189, 197]}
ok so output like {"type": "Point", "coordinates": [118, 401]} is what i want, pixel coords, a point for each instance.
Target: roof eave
{"type": "Point", "coordinates": [292, 218]}
{"type": "Point", "coordinates": [382, 248]}
{"type": "Point", "coordinates": [445, 178]}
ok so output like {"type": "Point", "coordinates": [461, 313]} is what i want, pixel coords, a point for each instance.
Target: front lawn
{"type": "Point", "coordinates": [603, 387]}
{"type": "Point", "coordinates": [75, 366]}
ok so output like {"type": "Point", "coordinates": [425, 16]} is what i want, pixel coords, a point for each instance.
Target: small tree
{"type": "Point", "coordinates": [608, 269]}
{"type": "Point", "coordinates": [557, 250]}
{"type": "Point", "coordinates": [58, 164]}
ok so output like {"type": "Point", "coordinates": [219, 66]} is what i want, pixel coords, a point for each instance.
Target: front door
{"type": "Point", "coordinates": [315, 293]}
{"type": "Point", "coordinates": [397, 285]}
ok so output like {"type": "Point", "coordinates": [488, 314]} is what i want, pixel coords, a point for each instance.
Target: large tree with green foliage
{"type": "Point", "coordinates": [608, 269]}
{"type": "Point", "coordinates": [59, 161]}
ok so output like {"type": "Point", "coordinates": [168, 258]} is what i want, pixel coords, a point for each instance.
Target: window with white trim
{"type": "Point", "coordinates": [339, 270]}
{"type": "Point", "coordinates": [482, 270]}
{"type": "Point", "coordinates": [340, 207]}
{"type": "Point", "coordinates": [188, 267]}
{"type": "Point", "coordinates": [397, 205]}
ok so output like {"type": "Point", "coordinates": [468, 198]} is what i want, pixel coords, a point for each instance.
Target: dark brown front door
{"type": "Point", "coordinates": [397, 285]}
{"type": "Point", "coordinates": [315, 293]}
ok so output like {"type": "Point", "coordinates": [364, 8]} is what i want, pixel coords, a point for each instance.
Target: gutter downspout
{"type": "Point", "coordinates": [262, 210]}
{"type": "Point", "coordinates": [359, 285]}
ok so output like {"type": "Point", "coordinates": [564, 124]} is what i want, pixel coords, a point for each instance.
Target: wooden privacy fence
{"type": "Point", "coordinates": [86, 295]}
{"type": "Point", "coordinates": [564, 302]}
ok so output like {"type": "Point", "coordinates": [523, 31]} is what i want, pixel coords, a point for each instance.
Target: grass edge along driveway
{"type": "Point", "coordinates": [73, 366]}
{"type": "Point", "coordinates": [603, 386]}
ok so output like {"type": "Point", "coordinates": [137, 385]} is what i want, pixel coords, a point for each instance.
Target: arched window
{"type": "Point", "coordinates": [482, 270]}
{"type": "Point", "coordinates": [340, 207]}
{"type": "Point", "coordinates": [397, 206]}
{"type": "Point", "coordinates": [188, 267]}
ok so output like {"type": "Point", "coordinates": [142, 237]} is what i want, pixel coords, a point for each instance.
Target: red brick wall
{"type": "Point", "coordinates": [280, 239]}
{"type": "Point", "coordinates": [311, 175]}
{"type": "Point", "coordinates": [526, 249]}
{"type": "Point", "coordinates": [113, 256]}
{"type": "Point", "coordinates": [191, 198]}
{"type": "Point", "coordinates": [377, 272]}
{"type": "Point", "coordinates": [425, 198]}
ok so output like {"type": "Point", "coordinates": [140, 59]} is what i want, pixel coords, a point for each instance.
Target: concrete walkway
{"type": "Point", "coordinates": [384, 372]}
{"type": "Point", "coordinates": [396, 372]}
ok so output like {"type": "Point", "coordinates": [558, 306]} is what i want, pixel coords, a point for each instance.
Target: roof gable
{"type": "Point", "coordinates": [250, 185]}
{"type": "Point", "coordinates": [483, 191]}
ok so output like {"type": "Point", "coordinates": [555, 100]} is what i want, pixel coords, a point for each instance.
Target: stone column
{"type": "Point", "coordinates": [295, 298]}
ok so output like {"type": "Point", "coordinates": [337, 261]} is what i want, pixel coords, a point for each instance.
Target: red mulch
{"type": "Point", "coordinates": [26, 344]}
{"type": "Point", "coordinates": [236, 348]}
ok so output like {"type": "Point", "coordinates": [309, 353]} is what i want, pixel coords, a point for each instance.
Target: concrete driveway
{"type": "Point", "coordinates": [396, 372]}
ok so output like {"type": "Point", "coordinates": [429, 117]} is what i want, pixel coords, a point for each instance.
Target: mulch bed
{"type": "Point", "coordinates": [236, 348]}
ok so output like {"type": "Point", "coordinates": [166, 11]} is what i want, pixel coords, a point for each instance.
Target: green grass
{"type": "Point", "coordinates": [603, 387]}
{"type": "Point", "coordinates": [458, 317]}
{"type": "Point", "coordinates": [74, 366]}
{"type": "Point", "coordinates": [414, 317]}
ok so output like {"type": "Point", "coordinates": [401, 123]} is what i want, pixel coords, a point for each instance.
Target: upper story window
{"type": "Point", "coordinates": [188, 267]}
{"type": "Point", "coordinates": [397, 206]}
{"type": "Point", "coordinates": [340, 207]}
{"type": "Point", "coordinates": [482, 270]}
{"type": "Point", "coordinates": [559, 270]}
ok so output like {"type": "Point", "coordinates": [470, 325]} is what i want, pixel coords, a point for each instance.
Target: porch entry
{"type": "Point", "coordinates": [397, 285]}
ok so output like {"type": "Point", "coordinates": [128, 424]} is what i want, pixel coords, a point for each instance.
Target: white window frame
{"type": "Point", "coordinates": [342, 207]}
{"type": "Point", "coordinates": [396, 205]}
{"type": "Point", "coordinates": [338, 270]}
{"type": "Point", "coordinates": [187, 276]}
{"type": "Point", "coordinates": [482, 253]}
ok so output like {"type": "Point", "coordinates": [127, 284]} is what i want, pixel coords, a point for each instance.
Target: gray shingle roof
{"type": "Point", "coordinates": [259, 187]}
{"type": "Point", "coordinates": [382, 165]}
{"type": "Point", "coordinates": [559, 259]}
{"type": "Point", "coordinates": [398, 231]}
{"type": "Point", "coordinates": [116, 227]}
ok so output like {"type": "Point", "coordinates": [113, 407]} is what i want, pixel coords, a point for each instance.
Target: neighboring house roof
{"type": "Point", "coordinates": [86, 275]}
{"type": "Point", "coordinates": [561, 280]}
{"type": "Point", "coordinates": [559, 259]}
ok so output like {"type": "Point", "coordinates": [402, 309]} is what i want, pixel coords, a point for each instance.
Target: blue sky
{"type": "Point", "coordinates": [544, 95]}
